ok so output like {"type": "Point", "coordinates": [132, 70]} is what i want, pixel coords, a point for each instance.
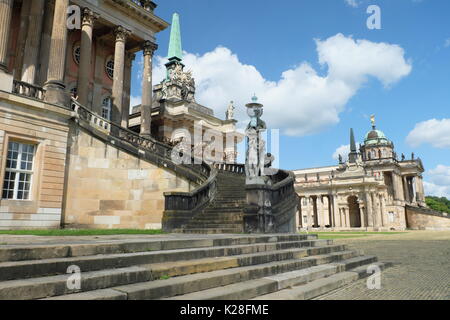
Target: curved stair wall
{"type": "Point", "coordinates": [116, 178]}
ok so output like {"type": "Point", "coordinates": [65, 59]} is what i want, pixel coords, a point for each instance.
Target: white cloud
{"type": "Point", "coordinates": [352, 3]}
{"type": "Point", "coordinates": [435, 132]}
{"type": "Point", "coordinates": [438, 182]}
{"type": "Point", "coordinates": [447, 43]}
{"type": "Point", "coordinates": [343, 150]}
{"type": "Point", "coordinates": [302, 102]}
{"type": "Point", "coordinates": [134, 101]}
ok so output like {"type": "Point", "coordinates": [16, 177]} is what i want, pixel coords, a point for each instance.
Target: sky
{"type": "Point", "coordinates": [319, 71]}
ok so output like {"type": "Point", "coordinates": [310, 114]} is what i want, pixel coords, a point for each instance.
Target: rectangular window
{"type": "Point", "coordinates": [19, 171]}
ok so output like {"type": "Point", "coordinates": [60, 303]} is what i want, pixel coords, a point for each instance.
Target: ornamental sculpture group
{"type": "Point", "coordinates": [258, 216]}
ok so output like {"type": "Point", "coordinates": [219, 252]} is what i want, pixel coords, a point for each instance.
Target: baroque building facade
{"type": "Point", "coordinates": [374, 189]}
{"type": "Point", "coordinates": [70, 154]}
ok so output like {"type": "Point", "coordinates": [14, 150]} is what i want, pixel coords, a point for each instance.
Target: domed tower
{"type": "Point", "coordinates": [376, 145]}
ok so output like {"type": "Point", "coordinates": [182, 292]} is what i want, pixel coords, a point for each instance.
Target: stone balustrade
{"type": "Point", "coordinates": [28, 90]}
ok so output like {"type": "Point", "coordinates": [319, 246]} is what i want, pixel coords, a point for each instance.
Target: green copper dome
{"type": "Point", "coordinates": [376, 137]}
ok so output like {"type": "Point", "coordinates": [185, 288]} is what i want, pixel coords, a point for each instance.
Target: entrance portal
{"type": "Point", "coordinates": [354, 212]}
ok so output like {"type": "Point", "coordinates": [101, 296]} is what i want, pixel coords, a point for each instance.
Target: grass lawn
{"type": "Point", "coordinates": [328, 235]}
{"type": "Point", "coordinates": [79, 232]}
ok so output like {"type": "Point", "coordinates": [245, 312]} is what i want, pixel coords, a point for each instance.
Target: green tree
{"type": "Point", "coordinates": [439, 204]}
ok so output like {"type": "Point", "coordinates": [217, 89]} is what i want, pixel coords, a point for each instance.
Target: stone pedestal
{"type": "Point", "coordinates": [258, 217]}
{"type": "Point", "coordinates": [6, 82]}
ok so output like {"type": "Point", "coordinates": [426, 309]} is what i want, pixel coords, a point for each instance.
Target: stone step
{"type": "Point", "coordinates": [48, 251]}
{"type": "Point", "coordinates": [254, 288]}
{"type": "Point", "coordinates": [209, 224]}
{"type": "Point", "coordinates": [35, 268]}
{"type": "Point", "coordinates": [180, 268]}
{"type": "Point", "coordinates": [213, 231]}
{"type": "Point", "coordinates": [260, 287]}
{"type": "Point", "coordinates": [321, 286]}
{"type": "Point", "coordinates": [38, 288]}
{"type": "Point", "coordinates": [222, 210]}
{"type": "Point", "coordinates": [203, 281]}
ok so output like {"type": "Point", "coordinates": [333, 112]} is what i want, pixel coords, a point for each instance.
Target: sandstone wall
{"type": "Point", "coordinates": [418, 220]}
{"type": "Point", "coordinates": [109, 188]}
{"type": "Point", "coordinates": [44, 126]}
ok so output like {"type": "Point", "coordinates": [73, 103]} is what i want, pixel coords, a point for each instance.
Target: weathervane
{"type": "Point", "coordinates": [372, 119]}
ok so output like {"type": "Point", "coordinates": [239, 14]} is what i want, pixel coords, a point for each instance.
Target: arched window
{"type": "Point", "coordinates": [109, 67]}
{"type": "Point", "coordinates": [76, 53]}
{"type": "Point", "coordinates": [106, 108]}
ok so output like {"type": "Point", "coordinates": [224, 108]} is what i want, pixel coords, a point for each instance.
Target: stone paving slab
{"type": "Point", "coordinates": [421, 268]}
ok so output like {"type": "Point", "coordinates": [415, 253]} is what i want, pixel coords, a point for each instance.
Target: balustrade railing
{"type": "Point", "coordinates": [155, 147]}
{"type": "Point", "coordinates": [28, 90]}
{"type": "Point", "coordinates": [230, 167]}
{"type": "Point", "coordinates": [146, 4]}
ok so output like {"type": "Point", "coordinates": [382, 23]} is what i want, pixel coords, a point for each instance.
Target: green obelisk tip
{"type": "Point", "coordinates": [175, 48]}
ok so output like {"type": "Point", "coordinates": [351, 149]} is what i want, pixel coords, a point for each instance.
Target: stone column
{"type": "Point", "coordinates": [398, 191]}
{"type": "Point", "coordinates": [382, 210]}
{"type": "Point", "coordinates": [18, 61]}
{"type": "Point", "coordinates": [406, 189]}
{"type": "Point", "coordinates": [362, 210]}
{"type": "Point", "coordinates": [369, 209]}
{"type": "Point", "coordinates": [129, 58]}
{"type": "Point", "coordinates": [326, 211]}
{"type": "Point", "coordinates": [121, 116]}
{"type": "Point", "coordinates": [46, 40]}
{"type": "Point", "coordinates": [32, 43]}
{"type": "Point", "coordinates": [55, 87]}
{"type": "Point", "coordinates": [377, 210]}
{"type": "Point", "coordinates": [85, 67]}
{"type": "Point", "coordinates": [6, 7]}
{"type": "Point", "coordinates": [319, 205]}
{"type": "Point", "coordinates": [300, 212]}
{"type": "Point", "coordinates": [335, 211]}
{"type": "Point", "coordinates": [310, 208]}
{"type": "Point", "coordinates": [147, 88]}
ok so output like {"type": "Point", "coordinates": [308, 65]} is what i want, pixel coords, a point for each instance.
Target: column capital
{"type": "Point", "coordinates": [89, 17]}
{"type": "Point", "coordinates": [149, 48]}
{"type": "Point", "coordinates": [121, 33]}
{"type": "Point", "coordinates": [130, 56]}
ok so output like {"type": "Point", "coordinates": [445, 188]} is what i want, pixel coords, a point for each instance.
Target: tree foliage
{"type": "Point", "coordinates": [439, 204]}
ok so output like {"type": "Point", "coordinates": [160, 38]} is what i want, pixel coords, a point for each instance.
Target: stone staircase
{"type": "Point", "coordinates": [181, 267]}
{"type": "Point", "coordinates": [225, 212]}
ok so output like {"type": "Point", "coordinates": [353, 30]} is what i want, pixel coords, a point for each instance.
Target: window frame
{"type": "Point", "coordinates": [18, 171]}
{"type": "Point", "coordinates": [109, 110]}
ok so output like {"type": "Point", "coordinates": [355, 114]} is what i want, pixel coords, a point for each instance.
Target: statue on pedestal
{"type": "Point", "coordinates": [230, 111]}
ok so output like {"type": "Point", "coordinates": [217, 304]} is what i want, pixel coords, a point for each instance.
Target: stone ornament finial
{"type": "Point", "coordinates": [89, 17]}
{"type": "Point", "coordinates": [121, 33]}
{"type": "Point", "coordinates": [149, 48]}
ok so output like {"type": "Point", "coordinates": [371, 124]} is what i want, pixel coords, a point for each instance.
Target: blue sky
{"type": "Point", "coordinates": [405, 83]}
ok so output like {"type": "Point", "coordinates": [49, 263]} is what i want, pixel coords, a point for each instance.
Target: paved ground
{"type": "Point", "coordinates": [421, 268]}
